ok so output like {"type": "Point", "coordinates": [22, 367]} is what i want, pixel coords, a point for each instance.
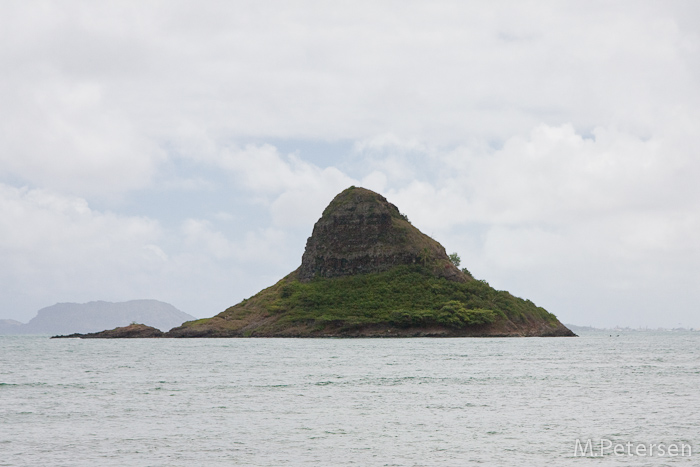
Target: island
{"type": "Point", "coordinates": [368, 272]}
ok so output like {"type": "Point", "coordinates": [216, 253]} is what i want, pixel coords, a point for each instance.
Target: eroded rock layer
{"type": "Point", "coordinates": [360, 232]}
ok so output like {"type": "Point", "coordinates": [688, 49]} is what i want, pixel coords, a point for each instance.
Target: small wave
{"type": "Point", "coordinates": [31, 385]}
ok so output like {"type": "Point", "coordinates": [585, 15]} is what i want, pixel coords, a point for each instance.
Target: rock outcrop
{"type": "Point", "coordinates": [131, 331]}
{"type": "Point", "coordinates": [360, 232]}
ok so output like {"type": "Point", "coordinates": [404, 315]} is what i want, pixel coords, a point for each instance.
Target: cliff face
{"type": "Point", "coordinates": [360, 232]}
{"type": "Point", "coordinates": [367, 271]}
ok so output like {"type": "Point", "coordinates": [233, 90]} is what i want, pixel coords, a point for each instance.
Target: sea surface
{"type": "Point", "coordinates": [343, 402]}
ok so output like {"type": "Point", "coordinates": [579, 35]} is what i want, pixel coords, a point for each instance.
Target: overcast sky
{"type": "Point", "coordinates": [182, 151]}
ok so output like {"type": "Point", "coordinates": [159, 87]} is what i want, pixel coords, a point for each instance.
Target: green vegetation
{"type": "Point", "coordinates": [366, 272]}
{"type": "Point", "coordinates": [405, 296]}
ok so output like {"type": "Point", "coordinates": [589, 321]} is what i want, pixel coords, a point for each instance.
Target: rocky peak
{"type": "Point", "coordinates": [361, 232]}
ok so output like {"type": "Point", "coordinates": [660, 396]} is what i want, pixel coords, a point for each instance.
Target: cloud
{"type": "Point", "coordinates": [549, 144]}
{"type": "Point", "coordinates": [94, 95]}
{"type": "Point", "coordinates": [294, 191]}
{"type": "Point", "coordinates": [55, 247]}
{"type": "Point", "coordinates": [60, 135]}
{"type": "Point", "coordinates": [556, 211]}
{"type": "Point", "coordinates": [552, 176]}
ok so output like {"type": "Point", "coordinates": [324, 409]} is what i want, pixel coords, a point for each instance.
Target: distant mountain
{"type": "Point", "coordinates": [9, 326]}
{"type": "Point", "coordinates": [67, 318]}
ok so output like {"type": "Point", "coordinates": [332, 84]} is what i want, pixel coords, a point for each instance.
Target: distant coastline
{"type": "Point", "coordinates": [575, 328]}
{"type": "Point", "coordinates": [68, 318]}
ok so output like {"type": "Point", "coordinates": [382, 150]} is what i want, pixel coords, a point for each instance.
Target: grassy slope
{"type": "Point", "coordinates": [404, 298]}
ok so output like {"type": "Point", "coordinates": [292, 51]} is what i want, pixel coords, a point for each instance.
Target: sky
{"type": "Point", "coordinates": [182, 151]}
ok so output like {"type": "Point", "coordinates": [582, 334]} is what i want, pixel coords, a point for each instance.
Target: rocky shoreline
{"type": "Point", "coordinates": [146, 332]}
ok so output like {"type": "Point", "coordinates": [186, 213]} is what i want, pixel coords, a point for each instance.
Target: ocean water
{"type": "Point", "coordinates": [342, 402]}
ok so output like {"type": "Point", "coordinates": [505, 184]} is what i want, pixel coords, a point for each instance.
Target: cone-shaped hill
{"type": "Point", "coordinates": [367, 271]}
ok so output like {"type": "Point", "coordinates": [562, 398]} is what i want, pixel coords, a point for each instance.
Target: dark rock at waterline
{"type": "Point", "coordinates": [130, 331]}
